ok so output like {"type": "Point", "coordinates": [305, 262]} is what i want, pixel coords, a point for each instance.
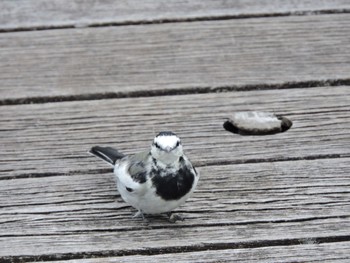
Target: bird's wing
{"type": "Point", "coordinates": [131, 173]}
{"type": "Point", "coordinates": [138, 166]}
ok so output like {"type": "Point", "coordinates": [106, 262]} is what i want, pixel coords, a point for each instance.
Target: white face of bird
{"type": "Point", "coordinates": [166, 147]}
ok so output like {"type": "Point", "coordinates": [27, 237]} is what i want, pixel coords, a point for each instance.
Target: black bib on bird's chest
{"type": "Point", "coordinates": [172, 185]}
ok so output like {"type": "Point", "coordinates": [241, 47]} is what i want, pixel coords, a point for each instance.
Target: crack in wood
{"type": "Point", "coordinates": [92, 200]}
{"type": "Point", "coordinates": [176, 249]}
{"type": "Point", "coordinates": [172, 226]}
{"type": "Point", "coordinates": [173, 92]}
{"type": "Point", "coordinates": [197, 164]}
{"type": "Point", "coordinates": [177, 20]}
{"type": "Point", "coordinates": [272, 160]}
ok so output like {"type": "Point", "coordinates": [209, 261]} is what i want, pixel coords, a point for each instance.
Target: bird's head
{"type": "Point", "coordinates": [166, 147]}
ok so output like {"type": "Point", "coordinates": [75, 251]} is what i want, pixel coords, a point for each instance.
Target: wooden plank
{"type": "Point", "coordinates": [146, 240]}
{"type": "Point", "coordinates": [56, 13]}
{"type": "Point", "coordinates": [54, 137]}
{"type": "Point", "coordinates": [227, 195]}
{"type": "Point", "coordinates": [145, 58]}
{"type": "Point", "coordinates": [330, 252]}
{"type": "Point", "coordinates": [235, 206]}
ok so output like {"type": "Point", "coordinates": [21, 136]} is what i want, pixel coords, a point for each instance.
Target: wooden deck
{"type": "Point", "coordinates": [74, 74]}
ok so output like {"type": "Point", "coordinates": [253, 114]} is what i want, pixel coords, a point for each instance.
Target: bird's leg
{"type": "Point", "coordinates": [139, 214]}
{"type": "Point", "coordinates": [174, 217]}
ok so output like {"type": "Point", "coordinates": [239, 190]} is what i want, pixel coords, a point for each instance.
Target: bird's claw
{"type": "Point", "coordinates": [175, 217]}
{"type": "Point", "coordinates": [140, 215]}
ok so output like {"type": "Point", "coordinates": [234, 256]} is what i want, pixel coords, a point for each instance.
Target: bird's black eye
{"type": "Point", "coordinates": [177, 144]}
{"type": "Point", "coordinates": [129, 189]}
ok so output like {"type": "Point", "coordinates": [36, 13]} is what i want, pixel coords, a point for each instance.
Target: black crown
{"type": "Point", "coordinates": [166, 133]}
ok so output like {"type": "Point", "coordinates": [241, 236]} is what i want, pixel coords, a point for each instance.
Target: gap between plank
{"type": "Point", "coordinates": [172, 92]}
{"type": "Point", "coordinates": [177, 20]}
{"type": "Point", "coordinates": [196, 164]}
{"type": "Point", "coordinates": [176, 249]}
{"type": "Point", "coordinates": [173, 226]}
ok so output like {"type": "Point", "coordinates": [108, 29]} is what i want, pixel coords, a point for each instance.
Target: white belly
{"type": "Point", "coordinates": [146, 200]}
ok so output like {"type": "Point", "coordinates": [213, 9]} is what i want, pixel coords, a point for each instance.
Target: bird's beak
{"type": "Point", "coordinates": [168, 149]}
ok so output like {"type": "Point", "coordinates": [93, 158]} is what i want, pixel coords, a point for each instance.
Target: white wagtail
{"type": "Point", "coordinates": [155, 181]}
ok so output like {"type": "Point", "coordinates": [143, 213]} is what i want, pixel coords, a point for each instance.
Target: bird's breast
{"type": "Point", "coordinates": [172, 185]}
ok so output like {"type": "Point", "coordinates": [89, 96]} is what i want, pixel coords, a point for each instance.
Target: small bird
{"type": "Point", "coordinates": [156, 181]}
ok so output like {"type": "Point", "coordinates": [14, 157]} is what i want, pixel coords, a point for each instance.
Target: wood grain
{"type": "Point", "coordinates": [54, 137]}
{"type": "Point", "coordinates": [330, 252]}
{"type": "Point", "coordinates": [57, 13]}
{"type": "Point", "coordinates": [276, 198]}
{"type": "Point", "coordinates": [144, 240]}
{"type": "Point", "coordinates": [305, 201]}
{"type": "Point", "coordinates": [271, 50]}
{"type": "Point", "coordinates": [243, 194]}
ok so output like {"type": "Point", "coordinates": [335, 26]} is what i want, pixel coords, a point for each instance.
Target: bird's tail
{"type": "Point", "coordinates": [108, 154]}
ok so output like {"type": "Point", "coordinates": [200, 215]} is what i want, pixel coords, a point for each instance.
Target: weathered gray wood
{"type": "Point", "coordinates": [170, 239]}
{"type": "Point", "coordinates": [303, 200]}
{"type": "Point", "coordinates": [48, 13]}
{"type": "Point", "coordinates": [174, 56]}
{"type": "Point", "coordinates": [244, 194]}
{"type": "Point", "coordinates": [330, 252]}
{"type": "Point", "coordinates": [71, 209]}
{"type": "Point", "coordinates": [54, 137]}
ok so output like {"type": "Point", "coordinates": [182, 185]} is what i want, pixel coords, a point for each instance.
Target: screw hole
{"type": "Point", "coordinates": [257, 123]}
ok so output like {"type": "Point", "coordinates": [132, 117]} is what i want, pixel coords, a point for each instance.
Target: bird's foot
{"type": "Point", "coordinates": [140, 215]}
{"type": "Point", "coordinates": [174, 217]}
